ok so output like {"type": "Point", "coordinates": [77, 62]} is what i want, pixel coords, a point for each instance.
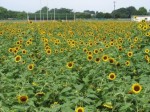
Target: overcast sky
{"type": "Point", "coordinates": [76, 5]}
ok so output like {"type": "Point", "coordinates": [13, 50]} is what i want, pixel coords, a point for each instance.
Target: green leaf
{"type": "Point", "coordinates": [66, 89]}
{"type": "Point", "coordinates": [125, 107]}
{"type": "Point", "coordinates": [79, 87]}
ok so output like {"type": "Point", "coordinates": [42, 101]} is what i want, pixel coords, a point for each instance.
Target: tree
{"type": "Point", "coordinates": [107, 15]}
{"type": "Point", "coordinates": [142, 11]}
{"type": "Point", "coordinates": [99, 15]}
{"type": "Point", "coordinates": [3, 13]}
{"type": "Point", "coordinates": [131, 11]}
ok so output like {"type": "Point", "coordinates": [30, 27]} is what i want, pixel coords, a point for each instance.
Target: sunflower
{"type": "Point", "coordinates": [127, 63]}
{"type": "Point", "coordinates": [97, 60]}
{"type": "Point", "coordinates": [135, 17]}
{"type": "Point", "coordinates": [30, 22]}
{"type": "Point", "coordinates": [22, 98]}
{"type": "Point", "coordinates": [130, 54]}
{"type": "Point", "coordinates": [27, 43]}
{"type": "Point", "coordinates": [111, 43]}
{"type": "Point", "coordinates": [30, 66]}
{"type": "Point", "coordinates": [111, 60]}
{"type": "Point", "coordinates": [1, 33]}
{"type": "Point", "coordinates": [79, 109]}
{"type": "Point", "coordinates": [105, 58]}
{"type": "Point", "coordinates": [101, 49]}
{"type": "Point", "coordinates": [17, 58]}
{"type": "Point", "coordinates": [23, 62]}
{"type": "Point", "coordinates": [89, 53]}
{"type": "Point", "coordinates": [70, 65]}
{"type": "Point", "coordinates": [18, 43]}
{"type": "Point", "coordinates": [24, 51]}
{"type": "Point", "coordinates": [85, 50]}
{"type": "Point", "coordinates": [89, 57]}
{"type": "Point", "coordinates": [106, 46]}
{"type": "Point", "coordinates": [117, 64]}
{"type": "Point", "coordinates": [10, 49]}
{"type": "Point", "coordinates": [95, 51]}
{"type": "Point", "coordinates": [147, 51]}
{"type": "Point", "coordinates": [112, 76]}
{"type": "Point", "coordinates": [136, 88]}
{"type": "Point", "coordinates": [48, 51]}
{"type": "Point", "coordinates": [120, 48]}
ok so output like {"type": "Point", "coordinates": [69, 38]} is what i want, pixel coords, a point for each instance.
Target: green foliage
{"type": "Point", "coordinates": [53, 86]}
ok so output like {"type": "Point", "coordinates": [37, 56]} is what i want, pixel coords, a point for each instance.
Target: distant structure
{"type": "Point", "coordinates": [139, 18]}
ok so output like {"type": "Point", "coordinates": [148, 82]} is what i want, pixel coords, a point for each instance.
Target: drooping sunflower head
{"type": "Point", "coordinates": [40, 94]}
{"type": "Point", "coordinates": [85, 50]}
{"type": "Point", "coordinates": [79, 109]}
{"type": "Point", "coordinates": [22, 98]}
{"type": "Point", "coordinates": [136, 88]}
{"type": "Point", "coordinates": [70, 65]}
{"type": "Point", "coordinates": [112, 76]}
{"type": "Point", "coordinates": [97, 60]}
{"type": "Point", "coordinates": [111, 60]}
{"type": "Point", "coordinates": [108, 105]}
{"type": "Point", "coordinates": [18, 58]}
{"type": "Point", "coordinates": [101, 49]}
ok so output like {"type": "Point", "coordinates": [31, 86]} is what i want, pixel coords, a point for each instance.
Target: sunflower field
{"type": "Point", "coordinates": [81, 66]}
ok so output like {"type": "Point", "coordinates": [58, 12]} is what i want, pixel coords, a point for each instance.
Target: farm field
{"type": "Point", "coordinates": [75, 66]}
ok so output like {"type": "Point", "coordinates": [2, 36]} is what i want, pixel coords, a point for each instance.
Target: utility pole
{"type": "Point", "coordinates": [35, 16]}
{"type": "Point", "coordinates": [114, 8]}
{"type": "Point", "coordinates": [40, 10]}
{"type": "Point", "coordinates": [74, 16]}
{"type": "Point", "coordinates": [43, 16]}
{"type": "Point", "coordinates": [54, 14]}
{"type": "Point", "coordinates": [27, 16]}
{"type": "Point", "coordinates": [66, 17]}
{"type": "Point", "coordinates": [47, 10]}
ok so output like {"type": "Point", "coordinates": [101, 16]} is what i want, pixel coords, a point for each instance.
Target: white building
{"type": "Point", "coordinates": [140, 18]}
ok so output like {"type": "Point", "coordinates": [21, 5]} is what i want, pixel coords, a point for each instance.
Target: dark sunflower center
{"type": "Point", "coordinates": [136, 88]}
{"type": "Point", "coordinates": [96, 51]}
{"type": "Point", "coordinates": [97, 59]}
{"type": "Point", "coordinates": [127, 63]}
{"type": "Point", "coordinates": [111, 60]}
{"type": "Point", "coordinates": [30, 67]}
{"type": "Point", "coordinates": [48, 51]}
{"type": "Point", "coordinates": [18, 58]}
{"type": "Point", "coordinates": [89, 57]}
{"type": "Point", "coordinates": [80, 110]}
{"type": "Point", "coordinates": [70, 64]}
{"type": "Point", "coordinates": [105, 57]}
{"type": "Point", "coordinates": [112, 76]}
{"type": "Point", "coordinates": [23, 98]}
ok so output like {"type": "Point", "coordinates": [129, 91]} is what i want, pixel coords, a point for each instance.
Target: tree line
{"type": "Point", "coordinates": [64, 13]}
